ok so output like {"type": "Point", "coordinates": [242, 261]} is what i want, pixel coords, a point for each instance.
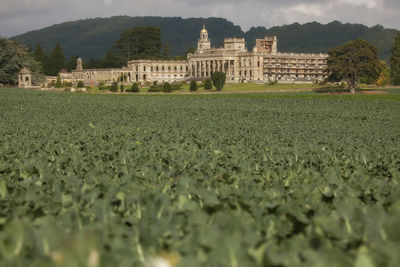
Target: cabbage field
{"type": "Point", "coordinates": [199, 180]}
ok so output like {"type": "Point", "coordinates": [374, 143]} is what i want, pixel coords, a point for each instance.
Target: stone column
{"type": "Point", "coordinates": [229, 67]}
{"type": "Point", "coordinates": [236, 69]}
{"type": "Point", "coordinates": [195, 69]}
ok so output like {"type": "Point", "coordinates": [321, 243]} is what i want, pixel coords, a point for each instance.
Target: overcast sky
{"type": "Point", "coordinates": [20, 16]}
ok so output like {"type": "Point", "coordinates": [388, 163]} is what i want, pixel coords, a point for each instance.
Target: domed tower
{"type": "Point", "coordinates": [204, 42]}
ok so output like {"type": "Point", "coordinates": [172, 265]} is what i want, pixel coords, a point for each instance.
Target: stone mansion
{"type": "Point", "coordinates": [263, 64]}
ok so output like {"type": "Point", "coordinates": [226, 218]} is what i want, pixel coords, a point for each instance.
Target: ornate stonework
{"type": "Point", "coordinates": [24, 78]}
{"type": "Point", "coordinates": [263, 64]}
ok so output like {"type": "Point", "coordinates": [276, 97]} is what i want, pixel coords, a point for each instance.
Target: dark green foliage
{"type": "Point", "coordinates": [58, 83]}
{"type": "Point", "coordinates": [122, 88]}
{"type": "Point", "coordinates": [352, 61]}
{"type": "Point", "coordinates": [135, 88]}
{"type": "Point", "coordinates": [396, 80]}
{"type": "Point", "coordinates": [71, 63]}
{"type": "Point", "coordinates": [218, 79]}
{"type": "Point", "coordinates": [154, 83]}
{"type": "Point", "coordinates": [256, 180]}
{"type": "Point", "coordinates": [56, 61]}
{"type": "Point", "coordinates": [112, 61]}
{"type": "Point", "coordinates": [208, 84]}
{"type": "Point", "coordinates": [167, 88]}
{"type": "Point", "coordinates": [80, 84]}
{"type": "Point", "coordinates": [272, 82]}
{"type": "Point", "coordinates": [193, 86]}
{"type": "Point", "coordinates": [114, 87]}
{"type": "Point", "coordinates": [395, 61]}
{"type": "Point", "coordinates": [94, 37]}
{"type": "Point", "coordinates": [190, 50]}
{"type": "Point", "coordinates": [14, 57]}
{"type": "Point", "coordinates": [92, 64]}
{"type": "Point", "coordinates": [166, 52]}
{"type": "Point", "coordinates": [40, 56]}
{"type": "Point", "coordinates": [138, 43]}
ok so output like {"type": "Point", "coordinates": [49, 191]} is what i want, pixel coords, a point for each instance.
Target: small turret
{"type": "Point", "coordinates": [79, 65]}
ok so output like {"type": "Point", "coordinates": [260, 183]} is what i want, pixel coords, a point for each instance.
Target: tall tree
{"type": "Point", "coordinates": [139, 43]}
{"type": "Point", "coordinates": [92, 64]}
{"type": "Point", "coordinates": [112, 61]}
{"type": "Point", "coordinates": [353, 60]}
{"type": "Point", "coordinates": [395, 61]}
{"type": "Point", "coordinates": [166, 52]}
{"type": "Point", "coordinates": [71, 63]}
{"type": "Point", "coordinates": [41, 57]}
{"type": "Point", "coordinates": [56, 61]}
{"type": "Point", "coordinates": [14, 57]}
{"type": "Point", "coordinates": [190, 50]}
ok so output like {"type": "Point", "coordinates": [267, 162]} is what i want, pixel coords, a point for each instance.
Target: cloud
{"type": "Point", "coordinates": [20, 16]}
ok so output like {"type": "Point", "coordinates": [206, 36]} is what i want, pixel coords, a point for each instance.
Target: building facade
{"type": "Point", "coordinates": [263, 64]}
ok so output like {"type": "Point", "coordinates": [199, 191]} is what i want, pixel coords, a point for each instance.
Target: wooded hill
{"type": "Point", "coordinates": [94, 37]}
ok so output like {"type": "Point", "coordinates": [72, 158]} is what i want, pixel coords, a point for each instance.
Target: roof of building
{"type": "Point", "coordinates": [25, 71]}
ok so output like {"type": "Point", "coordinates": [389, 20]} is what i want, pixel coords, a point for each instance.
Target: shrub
{"type": "Point", "coordinates": [193, 86]}
{"type": "Point", "coordinates": [135, 88]}
{"type": "Point", "coordinates": [114, 87]}
{"type": "Point", "coordinates": [122, 88]}
{"type": "Point", "coordinates": [67, 84]}
{"type": "Point", "coordinates": [167, 88]}
{"type": "Point", "coordinates": [81, 85]}
{"type": "Point", "coordinates": [218, 79]}
{"type": "Point", "coordinates": [272, 82]}
{"type": "Point", "coordinates": [58, 82]}
{"type": "Point", "coordinates": [155, 89]}
{"type": "Point", "coordinates": [396, 80]}
{"type": "Point", "coordinates": [208, 84]}
{"type": "Point", "coordinates": [155, 83]}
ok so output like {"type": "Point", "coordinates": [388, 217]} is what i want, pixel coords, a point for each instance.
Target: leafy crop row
{"type": "Point", "coordinates": [99, 180]}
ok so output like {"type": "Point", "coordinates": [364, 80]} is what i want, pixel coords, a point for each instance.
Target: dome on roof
{"type": "Point", "coordinates": [204, 30]}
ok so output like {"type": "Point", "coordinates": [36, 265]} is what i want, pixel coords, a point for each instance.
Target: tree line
{"type": "Point", "coordinates": [353, 62]}
{"type": "Point", "coordinates": [135, 43]}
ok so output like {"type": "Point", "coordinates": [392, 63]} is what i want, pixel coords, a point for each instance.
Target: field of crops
{"type": "Point", "coordinates": [206, 180]}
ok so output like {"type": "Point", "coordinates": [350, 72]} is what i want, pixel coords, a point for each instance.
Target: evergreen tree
{"type": "Point", "coordinates": [112, 61]}
{"type": "Point", "coordinates": [92, 64]}
{"type": "Point", "coordinates": [193, 86]}
{"type": "Point", "coordinates": [71, 63]}
{"type": "Point", "coordinates": [166, 52]}
{"type": "Point", "coordinates": [352, 61]}
{"type": "Point", "coordinates": [395, 61]}
{"type": "Point", "coordinates": [138, 43]}
{"type": "Point", "coordinates": [114, 87]}
{"type": "Point", "coordinates": [218, 79]}
{"type": "Point", "coordinates": [208, 84]}
{"type": "Point", "coordinates": [135, 88]}
{"type": "Point", "coordinates": [190, 50]}
{"type": "Point", "coordinates": [40, 56]}
{"type": "Point", "coordinates": [167, 88]}
{"type": "Point", "coordinates": [56, 61]}
{"type": "Point", "coordinates": [59, 83]}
